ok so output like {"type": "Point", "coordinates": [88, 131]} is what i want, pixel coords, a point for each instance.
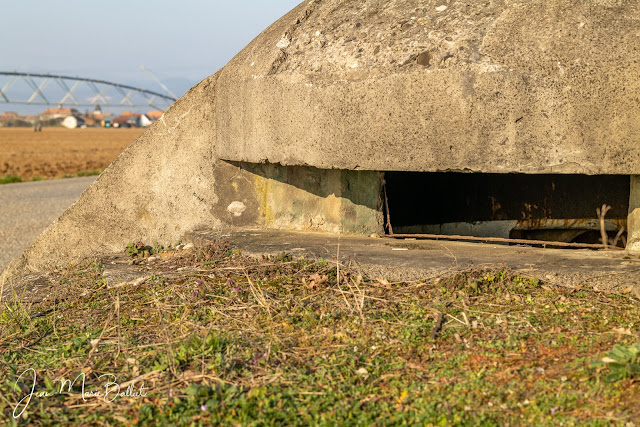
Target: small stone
{"type": "Point", "coordinates": [408, 59]}
{"type": "Point", "coordinates": [236, 208]}
{"type": "Point", "coordinates": [188, 246]}
{"type": "Point", "coordinates": [152, 258]}
{"type": "Point", "coordinates": [424, 59]}
{"type": "Point", "coordinates": [283, 43]}
{"type": "Point", "coordinates": [441, 8]}
{"type": "Point", "coordinates": [362, 372]}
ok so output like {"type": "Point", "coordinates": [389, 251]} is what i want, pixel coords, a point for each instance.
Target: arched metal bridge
{"type": "Point", "coordinates": [50, 89]}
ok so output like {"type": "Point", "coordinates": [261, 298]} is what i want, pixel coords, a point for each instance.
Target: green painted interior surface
{"type": "Point", "coordinates": [307, 198]}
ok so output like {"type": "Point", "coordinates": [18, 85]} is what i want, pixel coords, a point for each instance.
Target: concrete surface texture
{"type": "Point", "coordinates": [299, 198]}
{"type": "Point", "coordinates": [499, 86]}
{"type": "Point", "coordinates": [28, 208]}
{"type": "Point", "coordinates": [633, 220]}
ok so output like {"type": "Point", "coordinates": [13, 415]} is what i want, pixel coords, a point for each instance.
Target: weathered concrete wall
{"type": "Point", "coordinates": [503, 86]}
{"type": "Point", "coordinates": [633, 221]}
{"type": "Point", "coordinates": [300, 198]}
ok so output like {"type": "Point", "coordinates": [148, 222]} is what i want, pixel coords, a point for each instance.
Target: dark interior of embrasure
{"type": "Point", "coordinates": [549, 207]}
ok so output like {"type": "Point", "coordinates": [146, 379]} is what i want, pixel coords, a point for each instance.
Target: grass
{"type": "Point", "coordinates": [10, 179]}
{"type": "Point", "coordinates": [91, 172]}
{"type": "Point", "coordinates": [216, 337]}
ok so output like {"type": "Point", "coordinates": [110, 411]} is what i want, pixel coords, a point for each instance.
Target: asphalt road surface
{"type": "Point", "coordinates": [27, 208]}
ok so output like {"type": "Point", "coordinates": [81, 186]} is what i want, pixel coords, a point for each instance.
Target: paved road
{"type": "Point", "coordinates": [27, 208]}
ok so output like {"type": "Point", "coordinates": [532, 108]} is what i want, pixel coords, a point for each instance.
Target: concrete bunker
{"type": "Point", "coordinates": [301, 128]}
{"type": "Point", "coordinates": [543, 207]}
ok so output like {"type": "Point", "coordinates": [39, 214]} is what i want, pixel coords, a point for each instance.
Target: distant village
{"type": "Point", "coordinates": [72, 118]}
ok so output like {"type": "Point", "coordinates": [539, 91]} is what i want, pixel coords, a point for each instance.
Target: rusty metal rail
{"type": "Point", "coordinates": [504, 240]}
{"type": "Point", "coordinates": [570, 224]}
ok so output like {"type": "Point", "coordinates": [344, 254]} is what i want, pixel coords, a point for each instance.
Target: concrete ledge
{"type": "Point", "coordinates": [535, 87]}
{"type": "Point", "coordinates": [410, 259]}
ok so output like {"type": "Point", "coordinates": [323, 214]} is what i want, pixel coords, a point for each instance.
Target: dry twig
{"type": "Point", "coordinates": [603, 231]}
{"type": "Point", "coordinates": [438, 326]}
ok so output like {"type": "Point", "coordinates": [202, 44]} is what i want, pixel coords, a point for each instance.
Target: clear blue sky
{"type": "Point", "coordinates": [177, 40]}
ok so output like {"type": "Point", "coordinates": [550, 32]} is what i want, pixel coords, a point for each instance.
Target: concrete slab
{"type": "Point", "coordinates": [406, 259]}
{"type": "Point", "coordinates": [395, 260]}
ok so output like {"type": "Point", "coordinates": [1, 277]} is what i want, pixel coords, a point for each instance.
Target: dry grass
{"type": "Point", "coordinates": [219, 338]}
{"type": "Point", "coordinates": [56, 152]}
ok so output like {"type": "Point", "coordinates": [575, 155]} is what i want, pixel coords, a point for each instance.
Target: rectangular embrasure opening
{"type": "Point", "coordinates": [557, 208]}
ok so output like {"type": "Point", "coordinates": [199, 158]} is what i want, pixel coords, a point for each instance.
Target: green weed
{"type": "Point", "coordinates": [623, 362]}
{"type": "Point", "coordinates": [10, 179]}
{"type": "Point", "coordinates": [90, 172]}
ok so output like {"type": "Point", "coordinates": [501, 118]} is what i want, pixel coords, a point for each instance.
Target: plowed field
{"type": "Point", "coordinates": [56, 152]}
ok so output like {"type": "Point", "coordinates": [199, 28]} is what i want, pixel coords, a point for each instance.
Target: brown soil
{"type": "Point", "coordinates": [56, 152]}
